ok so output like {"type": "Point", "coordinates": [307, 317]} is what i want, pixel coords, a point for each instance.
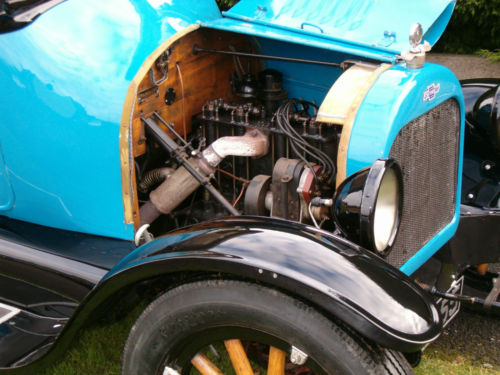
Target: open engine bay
{"type": "Point", "coordinates": [208, 114]}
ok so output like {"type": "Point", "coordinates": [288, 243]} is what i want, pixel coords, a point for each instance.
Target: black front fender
{"type": "Point", "coordinates": [342, 279]}
{"type": "Point", "coordinates": [337, 277]}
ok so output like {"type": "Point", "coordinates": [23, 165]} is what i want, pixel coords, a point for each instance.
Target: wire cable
{"type": "Point", "coordinates": [298, 144]}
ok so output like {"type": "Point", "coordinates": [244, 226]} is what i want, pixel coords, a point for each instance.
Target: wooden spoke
{"type": "Point", "coordinates": [238, 357]}
{"type": "Point", "coordinates": [204, 365]}
{"type": "Point", "coordinates": [276, 364]}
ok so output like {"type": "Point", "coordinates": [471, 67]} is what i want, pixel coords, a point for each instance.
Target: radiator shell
{"type": "Point", "coordinates": [397, 98]}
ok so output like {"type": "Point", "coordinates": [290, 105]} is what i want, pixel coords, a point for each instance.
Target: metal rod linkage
{"type": "Point", "coordinates": [197, 49]}
{"type": "Point", "coordinates": [172, 147]}
{"type": "Point", "coordinates": [460, 298]}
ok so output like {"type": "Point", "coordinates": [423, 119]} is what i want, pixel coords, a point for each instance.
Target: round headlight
{"type": "Point", "coordinates": [367, 205]}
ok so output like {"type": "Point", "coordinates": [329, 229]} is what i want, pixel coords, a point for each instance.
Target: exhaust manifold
{"type": "Point", "coordinates": [181, 183]}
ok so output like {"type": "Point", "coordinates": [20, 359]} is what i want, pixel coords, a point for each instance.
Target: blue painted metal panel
{"type": "Point", "coordinates": [64, 80]}
{"type": "Point", "coordinates": [384, 24]}
{"type": "Point", "coordinates": [395, 99]}
{"type": "Point", "coordinates": [304, 81]}
{"type": "Point", "coordinates": [304, 38]}
{"type": "Point", "coordinates": [6, 193]}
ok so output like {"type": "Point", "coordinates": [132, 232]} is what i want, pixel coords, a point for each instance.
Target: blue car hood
{"type": "Point", "coordinates": [372, 28]}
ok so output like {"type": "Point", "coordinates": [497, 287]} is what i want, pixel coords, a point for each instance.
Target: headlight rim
{"type": "Point", "coordinates": [369, 200]}
{"type": "Point", "coordinates": [365, 204]}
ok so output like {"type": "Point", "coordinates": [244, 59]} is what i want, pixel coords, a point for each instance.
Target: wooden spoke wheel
{"type": "Point", "coordinates": [236, 328]}
{"type": "Point", "coordinates": [240, 361]}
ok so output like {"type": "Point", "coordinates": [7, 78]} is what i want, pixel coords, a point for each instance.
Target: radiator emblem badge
{"type": "Point", "coordinates": [431, 92]}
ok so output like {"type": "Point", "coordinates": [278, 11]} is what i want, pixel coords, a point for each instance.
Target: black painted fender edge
{"type": "Point", "coordinates": [338, 277]}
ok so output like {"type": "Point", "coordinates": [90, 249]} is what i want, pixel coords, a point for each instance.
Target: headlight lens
{"type": "Point", "coordinates": [386, 214]}
{"type": "Point", "coordinates": [367, 205]}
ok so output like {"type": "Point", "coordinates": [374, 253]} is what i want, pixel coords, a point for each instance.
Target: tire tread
{"type": "Point", "coordinates": [373, 359]}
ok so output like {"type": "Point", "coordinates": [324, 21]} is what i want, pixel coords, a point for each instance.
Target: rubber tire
{"type": "Point", "coordinates": [181, 312]}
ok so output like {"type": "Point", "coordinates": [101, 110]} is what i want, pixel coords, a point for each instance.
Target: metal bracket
{"type": "Point", "coordinates": [162, 65]}
{"type": "Point", "coordinates": [297, 356]}
{"type": "Point", "coordinates": [494, 293]}
{"type": "Point", "coordinates": [143, 236]}
{"type": "Point", "coordinates": [143, 95]}
{"type": "Point", "coordinates": [388, 38]}
{"type": "Point", "coordinates": [285, 180]}
{"type": "Point", "coordinates": [415, 58]}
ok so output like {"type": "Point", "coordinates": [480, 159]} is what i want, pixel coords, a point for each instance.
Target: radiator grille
{"type": "Point", "coordinates": [427, 151]}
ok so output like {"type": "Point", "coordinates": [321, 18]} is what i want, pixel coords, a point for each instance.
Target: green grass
{"type": "Point", "coordinates": [493, 56]}
{"type": "Point", "coordinates": [97, 351]}
{"type": "Point", "coordinates": [448, 361]}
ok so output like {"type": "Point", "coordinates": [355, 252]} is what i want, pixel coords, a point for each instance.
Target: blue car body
{"type": "Point", "coordinates": [43, 61]}
{"type": "Point", "coordinates": [58, 70]}
{"type": "Point", "coordinates": [77, 77]}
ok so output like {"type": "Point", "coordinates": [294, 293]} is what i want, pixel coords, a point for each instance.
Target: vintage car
{"type": "Point", "coordinates": [278, 183]}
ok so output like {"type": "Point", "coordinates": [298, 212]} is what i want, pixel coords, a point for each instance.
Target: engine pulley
{"type": "Point", "coordinates": [255, 196]}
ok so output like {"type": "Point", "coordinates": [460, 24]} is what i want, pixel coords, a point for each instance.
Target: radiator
{"type": "Point", "coordinates": [427, 150]}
